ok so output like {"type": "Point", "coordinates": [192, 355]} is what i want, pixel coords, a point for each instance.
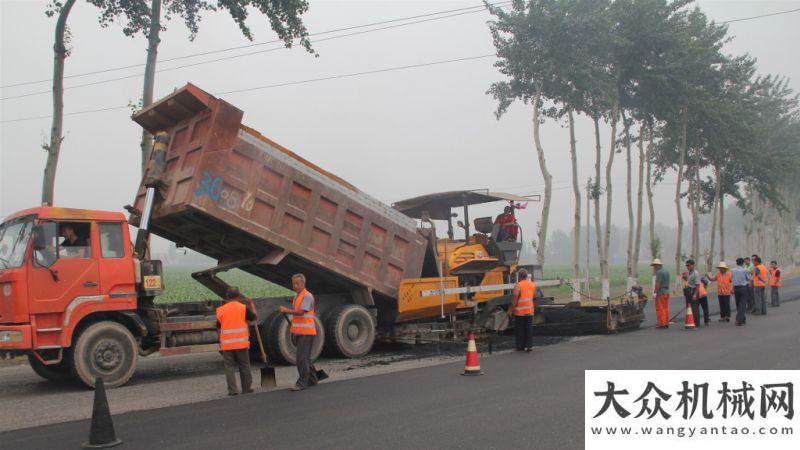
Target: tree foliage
{"type": "Point", "coordinates": [660, 65]}
{"type": "Point", "coordinates": [134, 15]}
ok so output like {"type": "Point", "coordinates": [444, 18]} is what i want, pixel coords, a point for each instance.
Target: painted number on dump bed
{"type": "Point", "coordinates": [225, 197]}
{"type": "Point", "coordinates": [209, 186]}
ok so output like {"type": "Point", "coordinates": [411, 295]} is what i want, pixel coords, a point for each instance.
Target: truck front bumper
{"type": "Point", "coordinates": [15, 337]}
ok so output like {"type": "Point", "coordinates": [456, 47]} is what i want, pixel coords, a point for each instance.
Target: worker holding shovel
{"type": "Point", "coordinates": [234, 340]}
{"type": "Point", "coordinates": [304, 329]}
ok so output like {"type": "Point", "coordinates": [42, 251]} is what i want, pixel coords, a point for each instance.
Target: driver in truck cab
{"type": "Point", "coordinates": [74, 246]}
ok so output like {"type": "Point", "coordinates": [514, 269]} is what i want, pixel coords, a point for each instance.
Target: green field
{"type": "Point", "coordinates": [181, 287]}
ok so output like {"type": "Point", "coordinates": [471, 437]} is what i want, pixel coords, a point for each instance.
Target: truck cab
{"type": "Point", "coordinates": [61, 270]}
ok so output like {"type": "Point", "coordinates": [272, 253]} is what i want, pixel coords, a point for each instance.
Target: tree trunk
{"type": "Point", "coordinates": [637, 242]}
{"type": "Point", "coordinates": [54, 147]}
{"type": "Point", "coordinates": [588, 234]}
{"type": "Point", "coordinates": [690, 204]}
{"type": "Point", "coordinates": [548, 183]}
{"type": "Point", "coordinates": [721, 202]}
{"type": "Point", "coordinates": [652, 226]}
{"type": "Point", "coordinates": [757, 225]}
{"type": "Point", "coordinates": [150, 74]}
{"type": "Point", "coordinates": [576, 237]}
{"type": "Point", "coordinates": [681, 163]}
{"type": "Point", "coordinates": [598, 230]}
{"type": "Point", "coordinates": [609, 197]}
{"type": "Point", "coordinates": [629, 197]}
{"type": "Point", "coordinates": [696, 208]}
{"type": "Point", "coordinates": [749, 225]}
{"type": "Point", "coordinates": [711, 246]}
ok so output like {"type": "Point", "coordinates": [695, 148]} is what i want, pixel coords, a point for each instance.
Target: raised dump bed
{"type": "Point", "coordinates": [230, 193]}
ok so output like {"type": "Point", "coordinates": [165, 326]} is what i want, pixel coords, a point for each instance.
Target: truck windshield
{"type": "Point", "coordinates": [14, 238]}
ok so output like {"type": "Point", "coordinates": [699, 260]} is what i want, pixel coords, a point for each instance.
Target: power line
{"type": "Point", "coordinates": [470, 10]}
{"type": "Point", "coordinates": [75, 113]}
{"type": "Point", "coordinates": [211, 52]}
{"type": "Point", "coordinates": [223, 50]}
{"type": "Point", "coordinates": [226, 58]}
{"type": "Point", "coordinates": [618, 183]}
{"type": "Point", "coordinates": [348, 75]}
{"type": "Point", "coordinates": [303, 81]}
{"type": "Point", "coordinates": [289, 83]}
{"type": "Point", "coordinates": [762, 15]}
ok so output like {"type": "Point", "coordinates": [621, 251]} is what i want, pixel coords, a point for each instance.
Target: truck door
{"type": "Point", "coordinates": [117, 278]}
{"type": "Point", "coordinates": [66, 271]}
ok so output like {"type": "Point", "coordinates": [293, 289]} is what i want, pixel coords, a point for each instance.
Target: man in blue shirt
{"type": "Point", "coordinates": [741, 283]}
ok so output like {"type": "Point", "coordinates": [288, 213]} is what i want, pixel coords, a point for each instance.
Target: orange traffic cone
{"type": "Point", "coordinates": [473, 366]}
{"type": "Point", "coordinates": [689, 323]}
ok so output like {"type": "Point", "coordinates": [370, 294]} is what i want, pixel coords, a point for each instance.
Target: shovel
{"type": "Point", "coordinates": [318, 374]}
{"type": "Point", "coordinates": [268, 379]}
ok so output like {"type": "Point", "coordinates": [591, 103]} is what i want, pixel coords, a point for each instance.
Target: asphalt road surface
{"type": "Point", "coordinates": [523, 400]}
{"type": "Point", "coordinates": [161, 382]}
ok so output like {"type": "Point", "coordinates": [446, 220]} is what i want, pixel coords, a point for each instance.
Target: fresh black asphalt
{"type": "Point", "coordinates": [523, 400]}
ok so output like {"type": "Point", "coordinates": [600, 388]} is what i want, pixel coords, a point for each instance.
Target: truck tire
{"type": "Point", "coordinates": [53, 372]}
{"type": "Point", "coordinates": [104, 349]}
{"type": "Point", "coordinates": [280, 345]}
{"type": "Point", "coordinates": [350, 331]}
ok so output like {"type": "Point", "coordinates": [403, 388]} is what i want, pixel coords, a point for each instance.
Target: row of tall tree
{"type": "Point", "coordinates": [655, 73]}
{"type": "Point", "coordinates": [149, 18]}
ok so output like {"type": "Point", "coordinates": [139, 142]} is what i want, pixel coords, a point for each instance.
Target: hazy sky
{"type": "Point", "coordinates": [394, 135]}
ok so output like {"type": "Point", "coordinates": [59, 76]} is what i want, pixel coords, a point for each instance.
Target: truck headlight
{"type": "Point", "coordinates": [10, 336]}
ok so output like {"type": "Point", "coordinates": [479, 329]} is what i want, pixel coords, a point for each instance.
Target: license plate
{"type": "Point", "coordinates": [152, 282]}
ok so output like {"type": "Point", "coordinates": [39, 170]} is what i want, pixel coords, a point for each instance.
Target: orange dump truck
{"type": "Point", "coordinates": [78, 296]}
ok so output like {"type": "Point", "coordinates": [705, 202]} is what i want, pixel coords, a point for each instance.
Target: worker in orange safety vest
{"type": "Point", "coordinates": [304, 330]}
{"type": "Point", "coordinates": [234, 340]}
{"type": "Point", "coordinates": [691, 291]}
{"type": "Point", "coordinates": [724, 290]}
{"type": "Point", "coordinates": [522, 309]}
{"type": "Point", "coordinates": [774, 284]}
{"type": "Point", "coordinates": [759, 287]}
{"type": "Point", "coordinates": [702, 300]}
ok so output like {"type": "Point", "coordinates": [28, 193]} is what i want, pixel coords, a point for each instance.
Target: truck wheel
{"type": "Point", "coordinates": [106, 350]}
{"type": "Point", "coordinates": [350, 331]}
{"type": "Point", "coordinates": [53, 372]}
{"type": "Point", "coordinates": [280, 344]}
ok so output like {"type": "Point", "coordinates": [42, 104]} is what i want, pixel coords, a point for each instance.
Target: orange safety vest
{"type": "Point", "coordinates": [774, 278]}
{"type": "Point", "coordinates": [527, 290]}
{"type": "Point", "coordinates": [760, 272]}
{"type": "Point", "coordinates": [701, 290]}
{"type": "Point", "coordinates": [233, 332]}
{"type": "Point", "coordinates": [724, 284]}
{"type": "Point", "coordinates": [303, 324]}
